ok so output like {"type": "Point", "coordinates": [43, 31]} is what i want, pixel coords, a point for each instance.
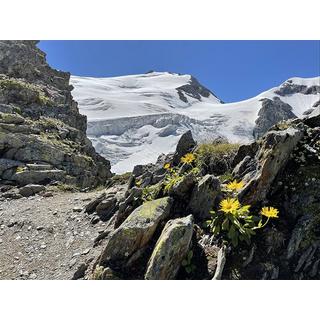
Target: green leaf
{"type": "Point", "coordinates": [216, 230]}
{"type": "Point", "coordinates": [232, 232]}
{"type": "Point", "coordinates": [184, 262]}
{"type": "Point", "coordinates": [190, 255]}
{"type": "Point", "coordinates": [234, 241]}
{"type": "Point", "coordinates": [207, 223]}
{"type": "Point", "coordinates": [244, 209]}
{"type": "Point", "coordinates": [225, 224]}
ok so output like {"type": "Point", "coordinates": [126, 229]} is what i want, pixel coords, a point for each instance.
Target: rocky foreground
{"type": "Point", "coordinates": [194, 214]}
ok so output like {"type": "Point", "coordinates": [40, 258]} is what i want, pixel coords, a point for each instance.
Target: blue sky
{"type": "Point", "coordinates": [233, 70]}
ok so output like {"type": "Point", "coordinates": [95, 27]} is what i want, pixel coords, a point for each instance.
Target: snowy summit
{"type": "Point", "coordinates": [133, 119]}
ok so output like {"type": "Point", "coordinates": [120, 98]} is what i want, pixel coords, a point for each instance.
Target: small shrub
{"type": "Point", "coordinates": [216, 157]}
{"type": "Point", "coordinates": [63, 187]}
{"type": "Point", "coordinates": [207, 150]}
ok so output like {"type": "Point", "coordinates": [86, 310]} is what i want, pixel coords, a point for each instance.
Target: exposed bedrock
{"type": "Point", "coordinates": [40, 124]}
{"type": "Point", "coordinates": [271, 112]}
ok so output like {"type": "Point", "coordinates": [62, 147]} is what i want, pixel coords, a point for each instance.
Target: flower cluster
{"type": "Point", "coordinates": [173, 175]}
{"type": "Point", "coordinates": [234, 220]}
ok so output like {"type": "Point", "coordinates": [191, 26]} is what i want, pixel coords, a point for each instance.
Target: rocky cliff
{"type": "Point", "coordinates": [42, 135]}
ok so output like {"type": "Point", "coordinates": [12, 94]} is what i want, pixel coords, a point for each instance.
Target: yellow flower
{"type": "Point", "coordinates": [188, 158]}
{"type": "Point", "coordinates": [229, 205]}
{"type": "Point", "coordinates": [270, 212]}
{"type": "Point", "coordinates": [235, 185]}
{"type": "Point", "coordinates": [167, 166]}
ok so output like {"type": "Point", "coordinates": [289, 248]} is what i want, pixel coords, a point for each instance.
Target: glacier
{"type": "Point", "coordinates": [133, 119]}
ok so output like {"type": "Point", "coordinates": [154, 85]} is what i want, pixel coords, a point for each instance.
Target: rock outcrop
{"type": "Point", "coordinates": [313, 119]}
{"type": "Point", "coordinates": [171, 248]}
{"type": "Point", "coordinates": [135, 232]}
{"type": "Point", "coordinates": [271, 112]}
{"type": "Point", "coordinates": [285, 173]}
{"type": "Point", "coordinates": [289, 87]}
{"type": "Point", "coordinates": [194, 90]}
{"type": "Point", "coordinates": [273, 154]}
{"type": "Point", "coordinates": [42, 135]}
{"type": "Point", "coordinates": [204, 196]}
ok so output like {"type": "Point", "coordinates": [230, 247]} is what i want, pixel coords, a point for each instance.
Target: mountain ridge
{"type": "Point", "coordinates": [133, 119]}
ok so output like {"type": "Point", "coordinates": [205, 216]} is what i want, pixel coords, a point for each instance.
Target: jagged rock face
{"type": "Point", "coordinates": [40, 123]}
{"type": "Point", "coordinates": [313, 119]}
{"type": "Point", "coordinates": [270, 159]}
{"type": "Point", "coordinates": [272, 112]}
{"type": "Point", "coordinates": [204, 196]}
{"type": "Point", "coordinates": [193, 89]}
{"type": "Point", "coordinates": [290, 88]}
{"type": "Point", "coordinates": [24, 62]}
{"type": "Point", "coordinates": [317, 104]}
{"type": "Point", "coordinates": [290, 160]}
{"type": "Point", "coordinates": [185, 145]}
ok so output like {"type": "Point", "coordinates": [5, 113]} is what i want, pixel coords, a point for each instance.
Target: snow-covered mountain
{"type": "Point", "coordinates": [133, 119]}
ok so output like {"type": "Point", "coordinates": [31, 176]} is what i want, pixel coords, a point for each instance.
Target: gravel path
{"type": "Point", "coordinates": [46, 238]}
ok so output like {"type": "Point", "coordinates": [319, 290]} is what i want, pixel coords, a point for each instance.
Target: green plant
{"type": "Point", "coordinates": [173, 176]}
{"type": "Point", "coordinates": [171, 180]}
{"type": "Point", "coordinates": [233, 221]}
{"type": "Point", "coordinates": [150, 192]}
{"type": "Point", "coordinates": [225, 176]}
{"type": "Point", "coordinates": [187, 263]}
{"type": "Point", "coordinates": [205, 151]}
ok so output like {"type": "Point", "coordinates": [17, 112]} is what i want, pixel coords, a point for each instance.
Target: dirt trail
{"type": "Point", "coordinates": [46, 237]}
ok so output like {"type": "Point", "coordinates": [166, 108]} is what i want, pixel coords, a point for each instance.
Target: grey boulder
{"type": "Point", "coordinates": [135, 232]}
{"type": "Point", "coordinates": [170, 250]}
{"type": "Point", "coordinates": [31, 189]}
{"type": "Point", "coordinates": [204, 196]}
